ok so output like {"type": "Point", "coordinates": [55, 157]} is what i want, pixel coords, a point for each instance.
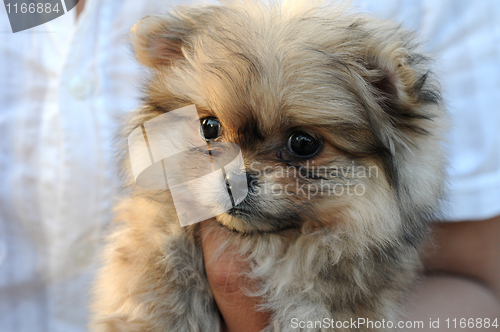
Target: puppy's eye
{"type": "Point", "coordinates": [210, 128]}
{"type": "Point", "coordinates": [303, 144]}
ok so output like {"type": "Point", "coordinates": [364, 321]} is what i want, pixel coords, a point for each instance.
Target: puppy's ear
{"type": "Point", "coordinates": [159, 40]}
{"type": "Point", "coordinates": [402, 85]}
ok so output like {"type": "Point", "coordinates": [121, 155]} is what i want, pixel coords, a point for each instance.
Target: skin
{"type": "Point", "coordinates": [237, 309]}
{"type": "Point", "coordinates": [79, 7]}
{"type": "Point", "coordinates": [463, 274]}
{"type": "Point", "coordinates": [462, 279]}
{"type": "Point", "coordinates": [470, 249]}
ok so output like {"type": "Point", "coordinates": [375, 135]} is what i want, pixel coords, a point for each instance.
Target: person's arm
{"type": "Point", "coordinates": [463, 275]}
{"type": "Point", "coordinates": [465, 254]}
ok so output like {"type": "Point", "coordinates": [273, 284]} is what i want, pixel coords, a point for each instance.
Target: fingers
{"type": "Point", "coordinates": [224, 276]}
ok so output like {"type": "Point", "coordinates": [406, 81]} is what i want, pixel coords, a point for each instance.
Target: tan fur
{"type": "Point", "coordinates": [265, 69]}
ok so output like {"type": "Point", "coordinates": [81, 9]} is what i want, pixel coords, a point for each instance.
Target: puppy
{"type": "Point", "coordinates": [339, 123]}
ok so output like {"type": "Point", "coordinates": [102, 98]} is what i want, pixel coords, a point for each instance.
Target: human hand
{"type": "Point", "coordinates": [239, 311]}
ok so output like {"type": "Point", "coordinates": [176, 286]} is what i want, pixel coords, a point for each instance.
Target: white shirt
{"type": "Point", "coordinates": [64, 86]}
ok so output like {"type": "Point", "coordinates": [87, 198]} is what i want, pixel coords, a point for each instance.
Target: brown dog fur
{"type": "Point", "coordinates": [265, 70]}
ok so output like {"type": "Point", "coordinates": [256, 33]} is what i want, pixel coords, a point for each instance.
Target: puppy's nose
{"type": "Point", "coordinates": [251, 181]}
{"type": "Point", "coordinates": [232, 179]}
{"type": "Point", "coordinates": [237, 187]}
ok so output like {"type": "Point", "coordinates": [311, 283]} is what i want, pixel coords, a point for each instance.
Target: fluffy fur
{"type": "Point", "coordinates": [266, 70]}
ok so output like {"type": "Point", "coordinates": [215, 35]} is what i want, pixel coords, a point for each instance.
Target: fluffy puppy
{"type": "Point", "coordinates": [339, 123]}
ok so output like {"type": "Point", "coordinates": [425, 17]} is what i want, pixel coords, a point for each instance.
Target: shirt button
{"type": "Point", "coordinates": [3, 252]}
{"type": "Point", "coordinates": [80, 87]}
